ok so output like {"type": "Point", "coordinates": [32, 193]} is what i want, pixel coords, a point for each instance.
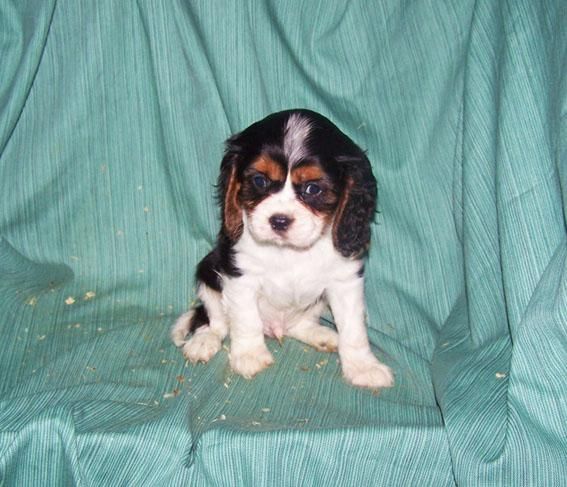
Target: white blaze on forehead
{"type": "Point", "coordinates": [296, 131]}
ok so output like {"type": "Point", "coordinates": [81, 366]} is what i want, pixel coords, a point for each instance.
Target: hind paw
{"type": "Point", "coordinates": [202, 346]}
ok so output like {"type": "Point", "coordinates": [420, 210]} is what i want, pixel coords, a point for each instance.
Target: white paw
{"type": "Point", "coordinates": [202, 346]}
{"type": "Point", "coordinates": [320, 337]}
{"type": "Point", "coordinates": [325, 339]}
{"type": "Point", "coordinates": [367, 372]}
{"type": "Point", "coordinates": [249, 362]}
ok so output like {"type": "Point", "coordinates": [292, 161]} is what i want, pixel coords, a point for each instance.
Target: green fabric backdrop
{"type": "Point", "coordinates": [112, 118]}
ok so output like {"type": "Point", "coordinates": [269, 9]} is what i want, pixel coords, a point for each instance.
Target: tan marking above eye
{"type": "Point", "coordinates": [303, 173]}
{"type": "Point", "coordinates": [269, 167]}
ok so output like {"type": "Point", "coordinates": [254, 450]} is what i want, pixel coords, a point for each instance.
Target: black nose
{"type": "Point", "coordinates": [280, 223]}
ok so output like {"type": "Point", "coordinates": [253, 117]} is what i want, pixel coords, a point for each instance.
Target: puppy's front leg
{"type": "Point", "coordinates": [360, 367]}
{"type": "Point", "coordinates": [248, 351]}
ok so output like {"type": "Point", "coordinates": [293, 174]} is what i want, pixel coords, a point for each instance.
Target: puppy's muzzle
{"type": "Point", "coordinates": [280, 223]}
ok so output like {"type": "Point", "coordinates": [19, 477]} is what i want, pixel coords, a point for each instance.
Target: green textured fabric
{"type": "Point", "coordinates": [112, 118]}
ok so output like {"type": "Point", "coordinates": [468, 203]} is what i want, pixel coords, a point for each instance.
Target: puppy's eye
{"type": "Point", "coordinates": [312, 189]}
{"type": "Point", "coordinates": [260, 181]}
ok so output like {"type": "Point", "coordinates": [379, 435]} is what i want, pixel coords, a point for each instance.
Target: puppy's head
{"type": "Point", "coordinates": [293, 176]}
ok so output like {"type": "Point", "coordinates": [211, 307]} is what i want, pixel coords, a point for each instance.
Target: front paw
{"type": "Point", "coordinates": [368, 372]}
{"type": "Point", "coordinates": [248, 362]}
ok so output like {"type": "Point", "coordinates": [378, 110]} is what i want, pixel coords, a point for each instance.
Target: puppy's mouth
{"type": "Point", "coordinates": [279, 239]}
{"type": "Point", "coordinates": [286, 240]}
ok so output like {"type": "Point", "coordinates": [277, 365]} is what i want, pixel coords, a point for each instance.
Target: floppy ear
{"type": "Point", "coordinates": [356, 208]}
{"type": "Point", "coordinates": [228, 188]}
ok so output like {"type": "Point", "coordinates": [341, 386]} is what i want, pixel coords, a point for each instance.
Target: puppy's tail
{"type": "Point", "coordinates": [188, 323]}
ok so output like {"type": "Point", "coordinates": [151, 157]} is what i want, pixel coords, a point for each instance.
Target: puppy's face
{"type": "Point", "coordinates": [289, 206]}
{"type": "Point", "coordinates": [293, 176]}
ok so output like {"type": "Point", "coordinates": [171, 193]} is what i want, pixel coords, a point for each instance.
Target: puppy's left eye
{"type": "Point", "coordinates": [312, 189]}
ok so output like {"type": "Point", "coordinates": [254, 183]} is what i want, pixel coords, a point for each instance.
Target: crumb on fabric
{"type": "Point", "coordinates": [171, 394]}
{"type": "Point", "coordinates": [500, 375]}
{"type": "Point", "coordinates": [70, 300]}
{"type": "Point", "coordinates": [321, 363]}
{"type": "Point", "coordinates": [89, 295]}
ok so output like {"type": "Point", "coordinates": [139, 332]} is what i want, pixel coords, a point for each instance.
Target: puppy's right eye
{"type": "Point", "coordinates": [260, 181]}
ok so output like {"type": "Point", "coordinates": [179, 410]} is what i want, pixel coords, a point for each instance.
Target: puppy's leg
{"type": "Point", "coordinates": [307, 329]}
{"type": "Point", "coordinates": [360, 367]}
{"type": "Point", "coordinates": [207, 340]}
{"type": "Point", "coordinates": [181, 327]}
{"type": "Point", "coordinates": [248, 352]}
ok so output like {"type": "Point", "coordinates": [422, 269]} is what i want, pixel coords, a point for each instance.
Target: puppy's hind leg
{"type": "Point", "coordinates": [187, 323]}
{"type": "Point", "coordinates": [308, 330]}
{"type": "Point", "coordinates": [208, 324]}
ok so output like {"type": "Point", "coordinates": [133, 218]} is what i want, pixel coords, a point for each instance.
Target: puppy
{"type": "Point", "coordinates": [297, 198]}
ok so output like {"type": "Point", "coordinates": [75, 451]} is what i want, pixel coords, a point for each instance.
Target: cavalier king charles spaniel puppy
{"type": "Point", "coordinates": [297, 199]}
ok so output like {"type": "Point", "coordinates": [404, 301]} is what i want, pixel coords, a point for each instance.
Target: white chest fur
{"type": "Point", "coordinates": [289, 281]}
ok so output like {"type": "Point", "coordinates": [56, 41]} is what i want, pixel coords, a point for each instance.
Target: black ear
{"type": "Point", "coordinates": [356, 208]}
{"type": "Point", "coordinates": [228, 187]}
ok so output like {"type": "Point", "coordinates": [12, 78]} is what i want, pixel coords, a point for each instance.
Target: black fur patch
{"type": "Point", "coordinates": [219, 261]}
{"type": "Point", "coordinates": [199, 318]}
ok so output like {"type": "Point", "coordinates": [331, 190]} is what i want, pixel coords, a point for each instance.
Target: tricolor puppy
{"type": "Point", "coordinates": [297, 199]}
